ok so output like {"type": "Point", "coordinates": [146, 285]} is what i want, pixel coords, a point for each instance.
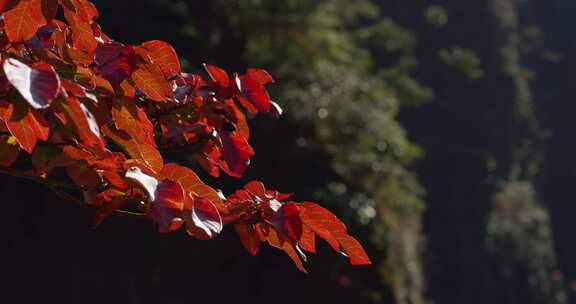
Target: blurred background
{"type": "Point", "coordinates": [440, 131]}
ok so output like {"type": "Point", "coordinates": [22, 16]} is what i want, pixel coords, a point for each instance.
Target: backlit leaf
{"type": "Point", "coordinates": [205, 222]}
{"type": "Point", "coordinates": [38, 85]}
{"type": "Point", "coordinates": [22, 21]}
{"type": "Point", "coordinates": [328, 226]}
{"type": "Point", "coordinates": [164, 55]}
{"type": "Point", "coordinates": [192, 183]}
{"type": "Point", "coordinates": [151, 81]}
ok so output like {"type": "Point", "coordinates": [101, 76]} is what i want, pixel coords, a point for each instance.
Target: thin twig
{"type": "Point", "coordinates": [56, 186]}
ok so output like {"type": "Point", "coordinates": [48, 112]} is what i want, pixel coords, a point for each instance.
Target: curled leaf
{"type": "Point", "coordinates": [38, 85]}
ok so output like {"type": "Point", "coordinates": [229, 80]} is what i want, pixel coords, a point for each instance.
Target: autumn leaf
{"type": "Point", "coordinates": [275, 239]}
{"type": "Point", "coordinates": [26, 125]}
{"type": "Point", "coordinates": [203, 219]}
{"type": "Point", "coordinates": [136, 148]}
{"type": "Point", "coordinates": [23, 20]}
{"type": "Point", "coordinates": [83, 121]}
{"type": "Point", "coordinates": [38, 85]}
{"type": "Point", "coordinates": [149, 78]}
{"type": "Point", "coordinates": [236, 152]}
{"type": "Point", "coordinates": [262, 76]}
{"type": "Point", "coordinates": [166, 208]}
{"type": "Point", "coordinates": [164, 55]}
{"type": "Point", "coordinates": [115, 61]}
{"type": "Point", "coordinates": [217, 75]}
{"type": "Point", "coordinates": [255, 92]}
{"type": "Point", "coordinates": [330, 228]}
{"type": "Point", "coordinates": [192, 183]}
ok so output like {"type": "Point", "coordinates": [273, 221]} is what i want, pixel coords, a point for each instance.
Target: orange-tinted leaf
{"type": "Point", "coordinates": [25, 125]}
{"type": "Point", "coordinates": [136, 148]}
{"type": "Point", "coordinates": [164, 55]}
{"type": "Point", "coordinates": [83, 176]}
{"type": "Point", "coordinates": [191, 182]}
{"type": "Point", "coordinates": [248, 237]}
{"type": "Point", "coordinates": [307, 239]}
{"type": "Point", "coordinates": [241, 123]}
{"type": "Point", "coordinates": [205, 222]}
{"type": "Point", "coordinates": [38, 85]}
{"type": "Point", "coordinates": [151, 81]}
{"type": "Point", "coordinates": [328, 226]}
{"type": "Point", "coordinates": [166, 208]}
{"type": "Point", "coordinates": [277, 240]}
{"type": "Point", "coordinates": [84, 122]}
{"type": "Point", "coordinates": [82, 34]}
{"type": "Point", "coordinates": [22, 21]}
{"type": "Point", "coordinates": [130, 118]}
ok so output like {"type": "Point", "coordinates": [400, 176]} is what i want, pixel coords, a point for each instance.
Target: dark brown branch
{"type": "Point", "coordinates": [56, 187]}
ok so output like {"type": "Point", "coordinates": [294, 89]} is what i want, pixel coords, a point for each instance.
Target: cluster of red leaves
{"type": "Point", "coordinates": [76, 103]}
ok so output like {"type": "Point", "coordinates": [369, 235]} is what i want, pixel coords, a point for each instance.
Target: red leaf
{"type": "Point", "coordinates": [260, 75]}
{"type": "Point", "coordinates": [80, 25]}
{"type": "Point", "coordinates": [276, 240]}
{"type": "Point", "coordinates": [150, 80]}
{"type": "Point", "coordinates": [166, 208]}
{"type": "Point", "coordinates": [6, 5]}
{"type": "Point", "coordinates": [130, 118]}
{"type": "Point", "coordinates": [255, 92]}
{"type": "Point", "coordinates": [307, 239]}
{"type": "Point", "coordinates": [84, 122]}
{"type": "Point", "coordinates": [148, 182]}
{"type": "Point", "coordinates": [137, 148]}
{"type": "Point", "coordinates": [25, 125]}
{"type": "Point", "coordinates": [115, 61]}
{"type": "Point", "coordinates": [108, 208]}
{"type": "Point", "coordinates": [329, 227]}
{"type": "Point", "coordinates": [236, 152]}
{"type": "Point", "coordinates": [38, 85]}
{"type": "Point", "coordinates": [248, 237]}
{"type": "Point", "coordinates": [205, 221]}
{"type": "Point", "coordinates": [217, 74]}
{"type": "Point", "coordinates": [164, 55]}
{"type": "Point", "coordinates": [192, 183]}
{"type": "Point", "coordinates": [22, 21]}
{"type": "Point", "coordinates": [287, 221]}
{"type": "Point", "coordinates": [49, 9]}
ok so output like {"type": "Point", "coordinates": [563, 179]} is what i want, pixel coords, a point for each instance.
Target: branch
{"type": "Point", "coordinates": [56, 187]}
